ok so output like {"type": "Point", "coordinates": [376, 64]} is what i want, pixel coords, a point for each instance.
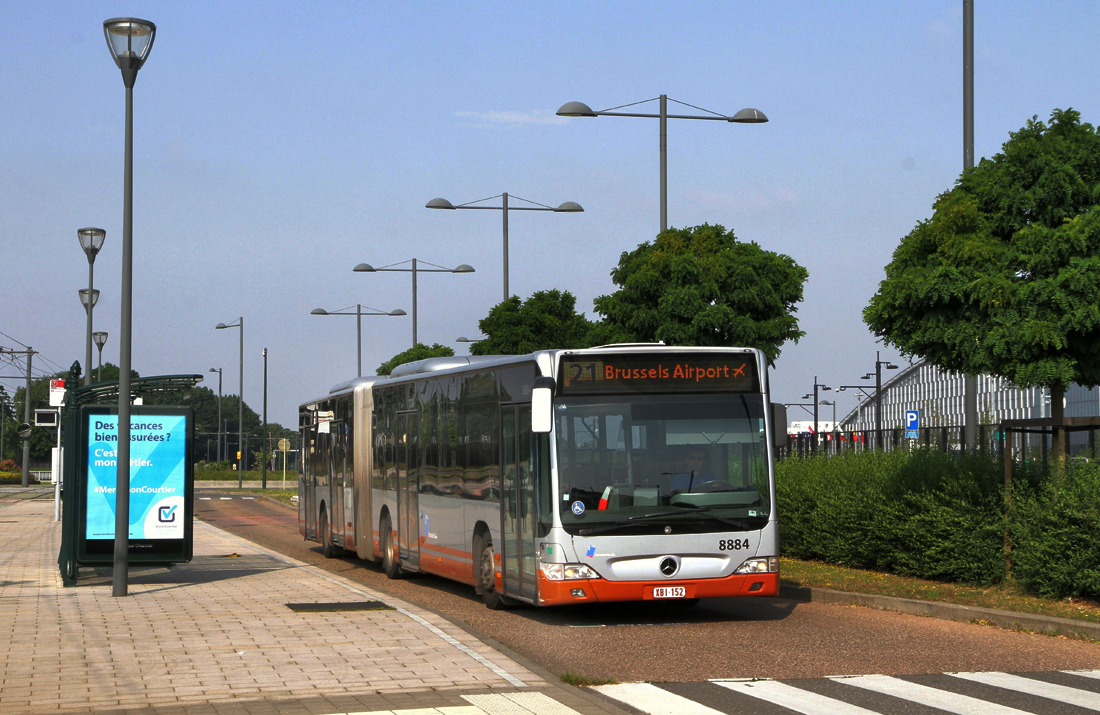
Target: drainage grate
{"type": "Point", "coordinates": [330, 607]}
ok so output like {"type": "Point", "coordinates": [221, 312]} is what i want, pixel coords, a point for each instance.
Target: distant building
{"type": "Point", "coordinates": [938, 396]}
{"type": "Point", "coordinates": [807, 426]}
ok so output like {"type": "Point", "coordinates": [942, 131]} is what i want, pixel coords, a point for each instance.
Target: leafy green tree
{"type": "Point", "coordinates": [8, 425]}
{"type": "Point", "coordinates": [546, 320]}
{"type": "Point", "coordinates": [1004, 278]}
{"type": "Point", "coordinates": [701, 286]}
{"type": "Point", "coordinates": [420, 351]}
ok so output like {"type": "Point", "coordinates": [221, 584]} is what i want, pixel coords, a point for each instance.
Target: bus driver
{"type": "Point", "coordinates": [693, 471]}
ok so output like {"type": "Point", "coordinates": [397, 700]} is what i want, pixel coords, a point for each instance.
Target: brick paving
{"type": "Point", "coordinates": [216, 636]}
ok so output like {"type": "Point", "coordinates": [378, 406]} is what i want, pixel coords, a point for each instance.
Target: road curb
{"type": "Point", "coordinates": [1046, 625]}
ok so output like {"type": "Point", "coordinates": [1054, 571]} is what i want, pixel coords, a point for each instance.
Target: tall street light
{"type": "Point", "coordinates": [504, 208]}
{"type": "Point", "coordinates": [745, 116]}
{"type": "Point", "coordinates": [88, 298]}
{"type": "Point", "coordinates": [877, 374]}
{"type": "Point", "coordinates": [219, 371]}
{"type": "Point", "coordinates": [834, 430]}
{"type": "Point", "coordinates": [91, 240]}
{"type": "Point", "coordinates": [129, 41]}
{"type": "Point", "coordinates": [368, 268]}
{"type": "Point", "coordinates": [358, 324]}
{"type": "Point", "coordinates": [100, 339]}
{"type": "Point", "coordinates": [822, 387]}
{"type": "Point", "coordinates": [263, 442]}
{"type": "Point", "coordinates": [239, 323]}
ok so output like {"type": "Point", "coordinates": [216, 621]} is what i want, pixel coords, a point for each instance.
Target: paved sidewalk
{"type": "Point", "coordinates": [216, 635]}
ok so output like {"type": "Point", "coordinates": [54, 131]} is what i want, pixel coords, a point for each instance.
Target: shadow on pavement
{"type": "Point", "coordinates": [202, 569]}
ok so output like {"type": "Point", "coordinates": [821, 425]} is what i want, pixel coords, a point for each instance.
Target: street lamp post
{"type": "Point", "coordinates": [504, 208]}
{"type": "Point", "coordinates": [239, 323]}
{"type": "Point", "coordinates": [91, 240]}
{"type": "Point", "coordinates": [580, 109]}
{"type": "Point", "coordinates": [219, 371]}
{"type": "Point", "coordinates": [368, 268]}
{"type": "Point", "coordinates": [358, 325]}
{"type": "Point", "coordinates": [263, 442]}
{"type": "Point", "coordinates": [822, 387]}
{"type": "Point", "coordinates": [88, 298]}
{"type": "Point", "coordinates": [877, 374]}
{"type": "Point", "coordinates": [100, 339]}
{"type": "Point", "coordinates": [833, 431]}
{"type": "Point", "coordinates": [129, 41]}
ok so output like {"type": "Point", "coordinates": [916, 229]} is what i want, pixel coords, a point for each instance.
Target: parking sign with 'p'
{"type": "Point", "coordinates": [912, 419]}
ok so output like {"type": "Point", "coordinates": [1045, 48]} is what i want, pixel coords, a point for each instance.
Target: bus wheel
{"type": "Point", "coordinates": [326, 537]}
{"type": "Point", "coordinates": [389, 563]}
{"type": "Point", "coordinates": [487, 577]}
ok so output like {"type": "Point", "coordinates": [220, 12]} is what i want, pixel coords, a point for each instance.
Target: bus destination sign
{"type": "Point", "coordinates": [629, 373]}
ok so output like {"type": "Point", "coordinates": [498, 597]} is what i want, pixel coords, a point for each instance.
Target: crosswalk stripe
{"type": "Point", "coordinates": [1084, 673]}
{"type": "Point", "coordinates": [797, 699]}
{"type": "Point", "coordinates": [1051, 691]}
{"type": "Point", "coordinates": [653, 700]}
{"type": "Point", "coordinates": [519, 704]}
{"type": "Point", "coordinates": [914, 692]}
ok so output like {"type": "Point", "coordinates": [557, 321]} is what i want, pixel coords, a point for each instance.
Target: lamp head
{"type": "Point", "coordinates": [575, 109]}
{"type": "Point", "coordinates": [318, 311]}
{"type": "Point", "coordinates": [99, 338]}
{"type": "Point", "coordinates": [84, 296]}
{"type": "Point", "coordinates": [439, 204]}
{"type": "Point", "coordinates": [129, 40]}
{"type": "Point", "coordinates": [463, 268]}
{"type": "Point", "coordinates": [364, 268]}
{"type": "Point", "coordinates": [397, 311]}
{"type": "Point", "coordinates": [91, 240]}
{"type": "Point", "coordinates": [891, 366]}
{"type": "Point", "coordinates": [220, 326]}
{"type": "Point", "coordinates": [570, 207]}
{"type": "Point", "coordinates": [215, 369]}
{"type": "Point", "coordinates": [749, 116]}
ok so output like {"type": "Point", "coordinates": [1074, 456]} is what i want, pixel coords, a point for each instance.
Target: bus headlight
{"type": "Point", "coordinates": [768, 564]}
{"type": "Point", "coordinates": [567, 572]}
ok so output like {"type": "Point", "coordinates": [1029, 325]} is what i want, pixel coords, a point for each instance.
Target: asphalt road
{"type": "Point", "coordinates": [721, 638]}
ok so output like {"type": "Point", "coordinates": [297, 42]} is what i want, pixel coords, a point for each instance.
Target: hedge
{"type": "Point", "coordinates": [942, 517]}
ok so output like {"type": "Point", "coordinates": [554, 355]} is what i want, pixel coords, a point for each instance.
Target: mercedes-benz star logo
{"type": "Point", "coordinates": [668, 566]}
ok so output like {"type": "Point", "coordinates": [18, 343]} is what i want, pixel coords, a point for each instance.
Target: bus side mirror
{"type": "Point", "coordinates": [779, 424]}
{"type": "Point", "coordinates": [542, 405]}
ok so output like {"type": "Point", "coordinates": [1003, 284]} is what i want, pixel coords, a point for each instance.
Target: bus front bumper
{"type": "Point", "coordinates": [597, 590]}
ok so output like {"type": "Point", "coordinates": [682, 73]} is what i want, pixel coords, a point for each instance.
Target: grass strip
{"type": "Point", "coordinates": [1006, 597]}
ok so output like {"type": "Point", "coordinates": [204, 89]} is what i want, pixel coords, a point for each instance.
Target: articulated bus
{"type": "Point", "coordinates": [621, 473]}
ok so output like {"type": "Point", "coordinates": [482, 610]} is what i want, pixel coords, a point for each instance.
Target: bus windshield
{"type": "Point", "coordinates": [696, 463]}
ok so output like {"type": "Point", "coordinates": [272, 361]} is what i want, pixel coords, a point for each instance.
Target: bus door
{"type": "Point", "coordinates": [337, 469]}
{"type": "Point", "coordinates": [408, 484]}
{"type": "Point", "coordinates": [308, 492]}
{"type": "Point", "coordinates": [517, 502]}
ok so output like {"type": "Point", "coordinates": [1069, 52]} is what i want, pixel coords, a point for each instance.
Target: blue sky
{"type": "Point", "coordinates": [278, 145]}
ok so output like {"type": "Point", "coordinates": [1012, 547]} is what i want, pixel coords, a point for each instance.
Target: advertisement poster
{"type": "Point", "coordinates": [158, 448]}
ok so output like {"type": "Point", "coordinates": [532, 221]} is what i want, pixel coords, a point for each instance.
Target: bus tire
{"type": "Point", "coordinates": [327, 547]}
{"type": "Point", "coordinates": [487, 577]}
{"type": "Point", "coordinates": [390, 564]}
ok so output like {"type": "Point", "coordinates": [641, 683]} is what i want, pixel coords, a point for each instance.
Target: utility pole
{"type": "Point", "coordinates": [29, 352]}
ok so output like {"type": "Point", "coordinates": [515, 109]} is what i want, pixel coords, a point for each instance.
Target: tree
{"type": "Point", "coordinates": [1004, 278]}
{"type": "Point", "coordinates": [546, 320]}
{"type": "Point", "coordinates": [701, 286]}
{"type": "Point", "coordinates": [420, 351]}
